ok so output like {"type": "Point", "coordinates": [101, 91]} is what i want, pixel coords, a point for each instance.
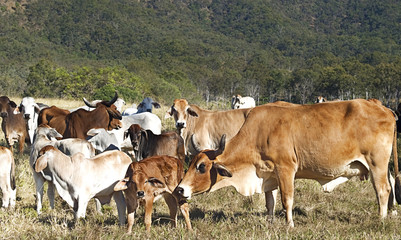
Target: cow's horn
{"type": "Point", "coordinates": [113, 100]}
{"type": "Point", "coordinates": [89, 104]}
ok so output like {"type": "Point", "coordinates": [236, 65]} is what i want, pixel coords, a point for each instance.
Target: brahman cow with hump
{"type": "Point", "coordinates": [78, 123]}
{"type": "Point", "coordinates": [13, 124]}
{"type": "Point", "coordinates": [328, 142]}
{"type": "Point", "coordinates": [46, 136]}
{"type": "Point", "coordinates": [7, 177]}
{"type": "Point", "coordinates": [146, 181]}
{"type": "Point", "coordinates": [145, 143]}
{"type": "Point", "coordinates": [237, 101]}
{"type": "Point", "coordinates": [78, 179]}
{"type": "Point", "coordinates": [202, 129]}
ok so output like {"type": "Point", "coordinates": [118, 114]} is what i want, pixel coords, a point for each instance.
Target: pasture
{"type": "Point", "coordinates": [349, 212]}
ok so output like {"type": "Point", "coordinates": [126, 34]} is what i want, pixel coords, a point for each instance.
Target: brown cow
{"type": "Point", "coordinates": [148, 179]}
{"type": "Point", "coordinates": [13, 125]}
{"type": "Point", "coordinates": [327, 142]}
{"type": "Point", "coordinates": [76, 124]}
{"type": "Point", "coordinates": [146, 143]}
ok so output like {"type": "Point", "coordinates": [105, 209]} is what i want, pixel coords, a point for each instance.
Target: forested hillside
{"type": "Point", "coordinates": [201, 50]}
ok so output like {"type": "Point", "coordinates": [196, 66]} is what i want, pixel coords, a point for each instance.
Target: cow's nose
{"type": "Point", "coordinates": [26, 116]}
{"type": "Point", "coordinates": [3, 114]}
{"type": "Point", "coordinates": [180, 125]}
{"type": "Point", "coordinates": [140, 194]}
{"type": "Point", "coordinates": [149, 110]}
{"type": "Point", "coordinates": [180, 191]}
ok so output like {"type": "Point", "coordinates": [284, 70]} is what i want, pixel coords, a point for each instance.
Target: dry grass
{"type": "Point", "coordinates": [350, 212]}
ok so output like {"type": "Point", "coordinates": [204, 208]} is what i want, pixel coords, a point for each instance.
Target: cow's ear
{"type": "Point", "coordinates": [223, 171]}
{"type": "Point", "coordinates": [222, 144]}
{"type": "Point", "coordinates": [41, 163]}
{"type": "Point", "coordinates": [156, 182]}
{"type": "Point", "coordinates": [126, 134]}
{"type": "Point", "coordinates": [156, 104]}
{"type": "Point", "coordinates": [121, 185]}
{"type": "Point", "coordinates": [37, 108]}
{"type": "Point", "coordinates": [169, 113]}
{"type": "Point", "coordinates": [192, 112]}
{"type": "Point", "coordinates": [13, 104]}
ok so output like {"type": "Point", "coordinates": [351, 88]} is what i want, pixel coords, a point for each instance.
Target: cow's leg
{"type": "Point", "coordinates": [148, 212]}
{"type": "Point", "coordinates": [21, 144]}
{"type": "Point", "coordinates": [81, 208]}
{"type": "Point", "coordinates": [271, 198]}
{"type": "Point", "coordinates": [172, 206]}
{"type": "Point", "coordinates": [121, 206]}
{"type": "Point", "coordinates": [50, 194]}
{"type": "Point", "coordinates": [184, 207]}
{"type": "Point", "coordinates": [39, 183]}
{"type": "Point", "coordinates": [286, 176]}
{"type": "Point", "coordinates": [98, 206]}
{"type": "Point", "coordinates": [382, 187]}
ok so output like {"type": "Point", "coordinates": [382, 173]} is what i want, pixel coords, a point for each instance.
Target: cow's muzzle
{"type": "Point", "coordinates": [3, 114]}
{"type": "Point", "coordinates": [180, 125]}
{"type": "Point", "coordinates": [140, 194]}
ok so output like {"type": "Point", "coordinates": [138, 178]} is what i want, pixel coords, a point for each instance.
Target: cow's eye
{"type": "Point", "coordinates": [202, 168]}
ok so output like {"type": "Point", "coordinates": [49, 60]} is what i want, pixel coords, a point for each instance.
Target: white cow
{"type": "Point", "coordinates": [242, 102]}
{"type": "Point", "coordinates": [146, 120]}
{"type": "Point", "coordinates": [7, 177]}
{"type": "Point", "coordinates": [103, 140]}
{"type": "Point", "coordinates": [44, 136]}
{"type": "Point", "coordinates": [30, 110]}
{"type": "Point", "coordinates": [78, 179]}
{"type": "Point", "coordinates": [130, 111]}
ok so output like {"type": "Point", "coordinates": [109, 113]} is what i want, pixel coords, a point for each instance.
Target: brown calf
{"type": "Point", "coordinates": [146, 143]}
{"type": "Point", "coordinates": [146, 180]}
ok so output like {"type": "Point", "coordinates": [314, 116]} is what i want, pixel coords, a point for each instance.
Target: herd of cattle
{"type": "Point", "coordinates": [82, 153]}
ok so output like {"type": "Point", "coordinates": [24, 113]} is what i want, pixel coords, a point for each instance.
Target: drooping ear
{"type": "Point", "coordinates": [41, 163]}
{"type": "Point", "coordinates": [169, 113]}
{"type": "Point", "coordinates": [192, 112]}
{"type": "Point", "coordinates": [156, 182]}
{"type": "Point", "coordinates": [144, 134]}
{"type": "Point", "coordinates": [156, 104]}
{"type": "Point", "coordinates": [126, 134]}
{"type": "Point", "coordinates": [222, 170]}
{"type": "Point", "coordinates": [121, 185]}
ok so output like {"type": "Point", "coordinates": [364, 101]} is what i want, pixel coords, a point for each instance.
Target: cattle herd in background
{"type": "Point", "coordinates": [100, 151]}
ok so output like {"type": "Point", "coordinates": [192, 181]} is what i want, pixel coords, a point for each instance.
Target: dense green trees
{"type": "Point", "coordinates": [202, 50]}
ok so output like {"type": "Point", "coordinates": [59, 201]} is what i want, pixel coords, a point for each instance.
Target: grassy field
{"type": "Point", "coordinates": [349, 212]}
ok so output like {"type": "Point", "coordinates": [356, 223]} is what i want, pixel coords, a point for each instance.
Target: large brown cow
{"type": "Point", "coordinates": [145, 143]}
{"type": "Point", "coordinates": [202, 129]}
{"type": "Point", "coordinates": [76, 124]}
{"type": "Point", "coordinates": [146, 180]}
{"type": "Point", "coordinates": [277, 144]}
{"type": "Point", "coordinates": [13, 125]}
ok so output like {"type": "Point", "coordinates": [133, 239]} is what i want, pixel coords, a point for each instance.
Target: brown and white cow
{"type": "Point", "coordinates": [202, 129]}
{"type": "Point", "coordinates": [13, 124]}
{"type": "Point", "coordinates": [7, 177]}
{"type": "Point", "coordinates": [76, 124]}
{"type": "Point", "coordinates": [277, 144]}
{"type": "Point", "coordinates": [145, 143]}
{"type": "Point", "coordinates": [78, 179]}
{"type": "Point", "coordinates": [146, 181]}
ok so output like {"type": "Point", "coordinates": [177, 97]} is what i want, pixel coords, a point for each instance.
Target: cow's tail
{"type": "Point", "coordinates": [396, 170]}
